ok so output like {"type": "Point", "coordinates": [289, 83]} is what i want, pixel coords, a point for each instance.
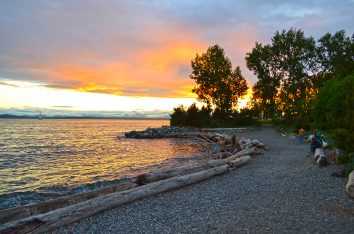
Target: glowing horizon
{"type": "Point", "coordinates": [38, 96]}
{"type": "Point", "coordinates": [35, 95]}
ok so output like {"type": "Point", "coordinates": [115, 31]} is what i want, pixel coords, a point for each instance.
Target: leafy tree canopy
{"type": "Point", "coordinates": [217, 84]}
{"type": "Point", "coordinates": [293, 67]}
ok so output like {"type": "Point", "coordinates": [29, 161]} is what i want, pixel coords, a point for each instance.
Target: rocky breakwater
{"type": "Point", "coordinates": [162, 132]}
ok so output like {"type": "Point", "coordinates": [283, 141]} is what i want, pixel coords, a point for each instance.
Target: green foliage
{"type": "Point", "coordinates": [262, 63]}
{"type": "Point", "coordinates": [334, 110]}
{"type": "Point", "coordinates": [217, 85]}
{"type": "Point", "coordinates": [178, 116]}
{"type": "Point", "coordinates": [205, 117]}
{"type": "Point", "coordinates": [191, 116]}
{"type": "Point", "coordinates": [343, 139]}
{"type": "Point", "coordinates": [293, 53]}
{"type": "Point", "coordinates": [335, 54]}
{"type": "Point", "coordinates": [291, 70]}
{"type": "Point", "coordinates": [350, 165]}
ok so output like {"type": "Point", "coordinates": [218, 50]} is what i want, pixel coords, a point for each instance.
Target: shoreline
{"type": "Point", "coordinates": [231, 153]}
{"type": "Point", "coordinates": [280, 191]}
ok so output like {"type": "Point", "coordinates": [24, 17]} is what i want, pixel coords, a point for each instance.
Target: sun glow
{"type": "Point", "coordinates": [25, 94]}
{"type": "Point", "coordinates": [245, 99]}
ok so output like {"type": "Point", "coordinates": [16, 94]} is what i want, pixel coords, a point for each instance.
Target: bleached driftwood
{"type": "Point", "coordinates": [54, 219]}
{"type": "Point", "coordinates": [248, 143]}
{"type": "Point", "coordinates": [239, 161]}
{"type": "Point", "coordinates": [320, 158]}
{"type": "Point", "coordinates": [244, 152]}
{"type": "Point", "coordinates": [350, 185]}
{"type": "Point", "coordinates": [222, 155]}
{"type": "Point", "coordinates": [168, 173]}
{"type": "Point", "coordinates": [8, 215]}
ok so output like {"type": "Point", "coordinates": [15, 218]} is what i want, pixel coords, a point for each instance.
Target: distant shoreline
{"type": "Point", "coordinates": [6, 116]}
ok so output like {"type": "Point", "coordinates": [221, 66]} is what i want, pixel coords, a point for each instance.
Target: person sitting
{"type": "Point", "coordinates": [315, 142]}
{"type": "Point", "coordinates": [318, 134]}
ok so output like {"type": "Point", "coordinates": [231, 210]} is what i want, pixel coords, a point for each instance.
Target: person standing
{"type": "Point", "coordinates": [301, 135]}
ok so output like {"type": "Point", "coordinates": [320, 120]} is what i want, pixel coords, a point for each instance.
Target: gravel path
{"type": "Point", "coordinates": [279, 191]}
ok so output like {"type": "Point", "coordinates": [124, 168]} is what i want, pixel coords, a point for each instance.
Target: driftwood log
{"type": "Point", "coordinates": [350, 185]}
{"type": "Point", "coordinates": [239, 161]}
{"type": "Point", "coordinates": [57, 218]}
{"type": "Point", "coordinates": [244, 152]}
{"type": "Point", "coordinates": [8, 215]}
{"type": "Point", "coordinates": [320, 158]}
{"type": "Point", "coordinates": [168, 173]}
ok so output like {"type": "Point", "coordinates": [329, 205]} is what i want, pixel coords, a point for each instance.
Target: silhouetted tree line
{"type": "Point", "coordinates": [205, 116]}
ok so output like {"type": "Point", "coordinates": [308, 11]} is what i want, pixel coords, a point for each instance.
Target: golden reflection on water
{"type": "Point", "coordinates": [42, 155]}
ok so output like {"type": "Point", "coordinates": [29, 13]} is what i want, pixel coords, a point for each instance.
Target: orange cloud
{"type": "Point", "coordinates": [157, 72]}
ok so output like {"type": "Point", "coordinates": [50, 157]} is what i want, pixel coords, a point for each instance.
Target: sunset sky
{"type": "Point", "coordinates": [134, 56]}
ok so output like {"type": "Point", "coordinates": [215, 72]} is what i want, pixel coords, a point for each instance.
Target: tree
{"type": "Point", "coordinates": [262, 63]}
{"type": "Point", "coordinates": [334, 110]}
{"type": "Point", "coordinates": [283, 69]}
{"type": "Point", "coordinates": [178, 116]}
{"type": "Point", "coordinates": [217, 85]}
{"type": "Point", "coordinates": [336, 54]}
{"type": "Point", "coordinates": [294, 54]}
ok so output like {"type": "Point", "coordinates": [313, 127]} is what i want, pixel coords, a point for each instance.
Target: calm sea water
{"type": "Point", "coordinates": [44, 159]}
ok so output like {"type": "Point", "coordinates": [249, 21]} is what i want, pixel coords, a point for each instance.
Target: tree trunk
{"type": "Point", "coordinates": [8, 215]}
{"type": "Point", "coordinates": [55, 219]}
{"type": "Point", "coordinates": [350, 185]}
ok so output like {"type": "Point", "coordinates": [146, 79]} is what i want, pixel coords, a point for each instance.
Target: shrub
{"type": "Point", "coordinates": [334, 110]}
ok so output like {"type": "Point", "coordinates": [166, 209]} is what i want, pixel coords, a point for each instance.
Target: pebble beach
{"type": "Point", "coordinates": [280, 191]}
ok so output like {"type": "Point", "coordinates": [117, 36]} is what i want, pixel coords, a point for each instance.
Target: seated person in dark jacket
{"type": "Point", "coordinates": [316, 142]}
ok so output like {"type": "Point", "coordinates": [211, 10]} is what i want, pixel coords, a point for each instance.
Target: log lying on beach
{"type": "Point", "coordinates": [168, 173]}
{"type": "Point", "coordinates": [248, 143]}
{"type": "Point", "coordinates": [8, 215]}
{"type": "Point", "coordinates": [244, 152]}
{"type": "Point", "coordinates": [350, 185]}
{"type": "Point", "coordinates": [320, 158]}
{"type": "Point", "coordinates": [57, 218]}
{"type": "Point", "coordinates": [239, 161]}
